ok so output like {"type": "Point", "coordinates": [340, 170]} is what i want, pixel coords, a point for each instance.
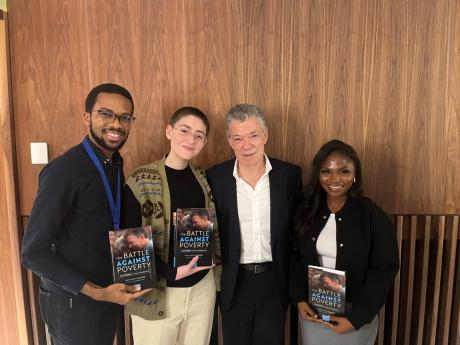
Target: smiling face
{"type": "Point", "coordinates": [108, 135]}
{"type": "Point", "coordinates": [185, 138]}
{"type": "Point", "coordinates": [336, 176]}
{"type": "Point", "coordinates": [247, 139]}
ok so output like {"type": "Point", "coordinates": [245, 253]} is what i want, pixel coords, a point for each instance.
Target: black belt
{"type": "Point", "coordinates": [260, 267]}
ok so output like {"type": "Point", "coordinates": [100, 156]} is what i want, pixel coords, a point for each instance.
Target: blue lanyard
{"type": "Point", "coordinates": [115, 210]}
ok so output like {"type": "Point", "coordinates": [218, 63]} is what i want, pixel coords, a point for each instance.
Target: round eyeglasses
{"type": "Point", "coordinates": [186, 132]}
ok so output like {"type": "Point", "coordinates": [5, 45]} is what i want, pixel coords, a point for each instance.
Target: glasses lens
{"type": "Point", "coordinates": [126, 118]}
{"type": "Point", "coordinates": [185, 133]}
{"type": "Point", "coordinates": [106, 115]}
{"type": "Point", "coordinates": [200, 139]}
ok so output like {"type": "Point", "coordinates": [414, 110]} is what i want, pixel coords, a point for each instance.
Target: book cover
{"type": "Point", "coordinates": [326, 291]}
{"type": "Point", "coordinates": [194, 232]}
{"type": "Point", "coordinates": [133, 259]}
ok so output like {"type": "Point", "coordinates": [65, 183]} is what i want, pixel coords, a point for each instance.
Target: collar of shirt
{"type": "Point", "coordinates": [268, 168]}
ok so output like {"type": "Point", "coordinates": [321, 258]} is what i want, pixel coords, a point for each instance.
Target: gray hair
{"type": "Point", "coordinates": [242, 112]}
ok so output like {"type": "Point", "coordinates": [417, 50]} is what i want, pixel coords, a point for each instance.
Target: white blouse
{"type": "Point", "coordinates": [326, 245]}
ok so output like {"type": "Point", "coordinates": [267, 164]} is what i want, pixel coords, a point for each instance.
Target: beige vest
{"type": "Point", "coordinates": [150, 187]}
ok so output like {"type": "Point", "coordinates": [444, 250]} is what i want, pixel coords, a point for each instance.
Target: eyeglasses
{"type": "Point", "coordinates": [110, 116]}
{"type": "Point", "coordinates": [185, 133]}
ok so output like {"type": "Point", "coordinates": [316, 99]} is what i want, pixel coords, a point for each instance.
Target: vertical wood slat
{"type": "Point", "coordinates": [426, 255]}
{"type": "Point", "coordinates": [456, 312]}
{"type": "Point", "coordinates": [38, 326]}
{"type": "Point", "coordinates": [128, 329]}
{"type": "Point", "coordinates": [456, 317]}
{"type": "Point", "coordinates": [437, 281]}
{"type": "Point", "coordinates": [381, 334]}
{"type": "Point", "coordinates": [287, 328]}
{"type": "Point", "coordinates": [410, 283]}
{"type": "Point", "coordinates": [219, 328]}
{"type": "Point", "coordinates": [397, 286]}
{"type": "Point", "coordinates": [450, 280]}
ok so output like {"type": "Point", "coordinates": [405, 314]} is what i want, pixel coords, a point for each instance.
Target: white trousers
{"type": "Point", "coordinates": [189, 314]}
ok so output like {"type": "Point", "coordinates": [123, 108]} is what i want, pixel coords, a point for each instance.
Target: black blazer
{"type": "Point", "coordinates": [367, 251]}
{"type": "Point", "coordinates": [285, 196]}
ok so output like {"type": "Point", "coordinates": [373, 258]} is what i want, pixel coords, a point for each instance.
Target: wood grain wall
{"type": "Point", "coordinates": [383, 75]}
{"type": "Point", "coordinates": [13, 287]}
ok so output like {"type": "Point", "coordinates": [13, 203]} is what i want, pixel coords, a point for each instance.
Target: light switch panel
{"type": "Point", "coordinates": [39, 153]}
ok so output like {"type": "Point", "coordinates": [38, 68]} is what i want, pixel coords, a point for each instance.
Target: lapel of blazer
{"type": "Point", "coordinates": [275, 196]}
{"type": "Point", "coordinates": [233, 217]}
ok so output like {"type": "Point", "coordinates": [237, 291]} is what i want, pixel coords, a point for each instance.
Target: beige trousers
{"type": "Point", "coordinates": [189, 314]}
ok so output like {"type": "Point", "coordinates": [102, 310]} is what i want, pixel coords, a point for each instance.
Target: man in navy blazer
{"type": "Point", "coordinates": [256, 199]}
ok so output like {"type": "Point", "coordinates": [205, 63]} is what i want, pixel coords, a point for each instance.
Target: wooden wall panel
{"type": "Point", "coordinates": [13, 290]}
{"type": "Point", "coordinates": [452, 126]}
{"type": "Point", "coordinates": [381, 75]}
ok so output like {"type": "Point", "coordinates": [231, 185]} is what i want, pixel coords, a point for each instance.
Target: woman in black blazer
{"type": "Point", "coordinates": [340, 229]}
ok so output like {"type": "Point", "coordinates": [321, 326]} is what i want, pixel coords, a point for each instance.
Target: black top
{"type": "Point", "coordinates": [66, 239]}
{"type": "Point", "coordinates": [367, 251]}
{"type": "Point", "coordinates": [185, 192]}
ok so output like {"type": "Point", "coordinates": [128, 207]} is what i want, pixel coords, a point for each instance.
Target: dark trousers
{"type": "Point", "coordinates": [256, 315]}
{"type": "Point", "coordinates": [77, 320]}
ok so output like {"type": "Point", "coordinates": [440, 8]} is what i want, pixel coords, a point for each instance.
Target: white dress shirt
{"type": "Point", "coordinates": [254, 217]}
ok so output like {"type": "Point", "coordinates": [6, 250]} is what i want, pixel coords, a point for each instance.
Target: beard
{"type": "Point", "coordinates": [102, 143]}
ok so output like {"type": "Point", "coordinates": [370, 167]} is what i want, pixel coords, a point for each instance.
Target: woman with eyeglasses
{"type": "Point", "coordinates": [339, 228]}
{"type": "Point", "coordinates": [180, 310]}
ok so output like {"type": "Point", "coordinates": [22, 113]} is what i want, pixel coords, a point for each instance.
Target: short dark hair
{"type": "Point", "coordinates": [200, 213]}
{"type": "Point", "coordinates": [331, 276]}
{"type": "Point", "coordinates": [186, 111]}
{"type": "Point", "coordinates": [136, 232]}
{"type": "Point", "coordinates": [107, 88]}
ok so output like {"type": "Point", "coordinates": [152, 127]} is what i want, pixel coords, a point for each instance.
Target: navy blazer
{"type": "Point", "coordinates": [285, 196]}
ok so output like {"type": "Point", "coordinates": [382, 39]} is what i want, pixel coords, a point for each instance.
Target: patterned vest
{"type": "Point", "coordinates": [150, 187]}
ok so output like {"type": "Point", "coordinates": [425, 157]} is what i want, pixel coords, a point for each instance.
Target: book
{"type": "Point", "coordinates": [326, 291]}
{"type": "Point", "coordinates": [194, 233]}
{"type": "Point", "coordinates": [133, 259]}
